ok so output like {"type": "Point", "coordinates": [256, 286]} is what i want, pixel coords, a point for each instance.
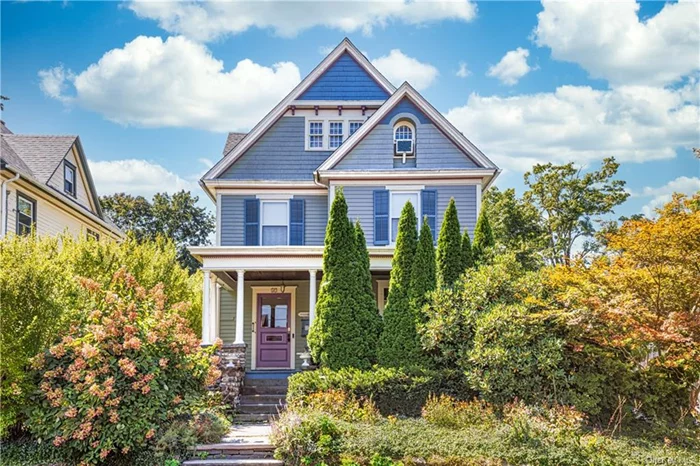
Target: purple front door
{"type": "Point", "coordinates": [274, 342]}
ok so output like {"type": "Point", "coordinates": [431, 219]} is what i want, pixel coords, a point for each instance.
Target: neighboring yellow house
{"type": "Point", "coordinates": [45, 183]}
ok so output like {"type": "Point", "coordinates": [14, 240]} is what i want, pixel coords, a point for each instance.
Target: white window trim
{"type": "Point", "coordinates": [361, 122]}
{"type": "Point", "coordinates": [418, 208]}
{"type": "Point", "coordinates": [278, 200]}
{"type": "Point", "coordinates": [381, 285]}
{"type": "Point", "coordinates": [326, 125]}
{"type": "Point", "coordinates": [412, 127]}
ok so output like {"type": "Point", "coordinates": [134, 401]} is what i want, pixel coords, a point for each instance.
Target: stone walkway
{"type": "Point", "coordinates": [248, 433]}
{"type": "Point", "coordinates": [245, 444]}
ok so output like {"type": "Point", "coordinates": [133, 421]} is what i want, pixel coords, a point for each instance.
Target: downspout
{"type": "Point", "coordinates": [3, 200]}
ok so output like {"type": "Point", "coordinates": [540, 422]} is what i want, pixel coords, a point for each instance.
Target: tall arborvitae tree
{"type": "Point", "coordinates": [366, 311]}
{"type": "Point", "coordinates": [423, 279]}
{"type": "Point", "coordinates": [483, 238]}
{"type": "Point", "coordinates": [449, 249]}
{"type": "Point", "coordinates": [337, 338]}
{"type": "Point", "coordinates": [467, 255]}
{"type": "Point", "coordinates": [397, 344]}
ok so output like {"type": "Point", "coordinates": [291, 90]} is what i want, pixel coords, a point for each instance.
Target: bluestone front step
{"type": "Point", "coordinates": [247, 418]}
{"type": "Point", "coordinates": [234, 462]}
{"type": "Point", "coordinates": [267, 399]}
{"type": "Point", "coordinates": [264, 390]}
{"type": "Point", "coordinates": [259, 408]}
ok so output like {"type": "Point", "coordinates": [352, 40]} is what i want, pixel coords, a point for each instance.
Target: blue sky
{"type": "Point", "coordinates": [151, 88]}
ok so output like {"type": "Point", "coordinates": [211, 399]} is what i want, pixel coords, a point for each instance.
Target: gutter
{"type": "Point", "coordinates": [3, 199]}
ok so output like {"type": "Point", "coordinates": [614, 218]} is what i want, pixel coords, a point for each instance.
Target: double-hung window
{"type": "Point", "coordinates": [275, 223]}
{"type": "Point", "coordinates": [336, 134]}
{"type": "Point", "coordinates": [26, 214]}
{"type": "Point", "coordinates": [69, 178]}
{"type": "Point", "coordinates": [398, 201]}
{"type": "Point", "coordinates": [316, 135]}
{"type": "Point", "coordinates": [354, 126]}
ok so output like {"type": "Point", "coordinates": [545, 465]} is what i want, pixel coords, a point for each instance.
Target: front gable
{"type": "Point", "coordinates": [345, 79]}
{"type": "Point", "coordinates": [433, 150]}
{"type": "Point", "coordinates": [83, 196]}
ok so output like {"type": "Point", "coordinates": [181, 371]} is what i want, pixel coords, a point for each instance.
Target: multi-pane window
{"type": "Point", "coordinates": [398, 201]}
{"type": "Point", "coordinates": [316, 134]}
{"type": "Point", "coordinates": [336, 134]}
{"type": "Point", "coordinates": [275, 222]}
{"type": "Point", "coordinates": [403, 133]}
{"type": "Point", "coordinates": [354, 126]}
{"type": "Point", "coordinates": [26, 214]}
{"type": "Point", "coordinates": [69, 178]}
{"type": "Point", "coordinates": [93, 234]}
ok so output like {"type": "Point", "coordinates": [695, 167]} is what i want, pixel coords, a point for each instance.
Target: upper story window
{"type": "Point", "coordinates": [275, 223]}
{"type": "Point", "coordinates": [26, 214]}
{"type": "Point", "coordinates": [316, 134]}
{"type": "Point", "coordinates": [336, 134]}
{"type": "Point", "coordinates": [92, 234]}
{"type": "Point", "coordinates": [354, 126]}
{"type": "Point", "coordinates": [69, 178]}
{"type": "Point", "coordinates": [398, 201]}
{"type": "Point", "coordinates": [404, 139]}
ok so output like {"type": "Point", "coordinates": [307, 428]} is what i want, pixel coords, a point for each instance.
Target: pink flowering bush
{"type": "Point", "coordinates": [112, 383]}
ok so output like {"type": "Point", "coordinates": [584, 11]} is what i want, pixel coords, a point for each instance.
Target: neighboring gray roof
{"type": "Point", "coordinates": [8, 155]}
{"type": "Point", "coordinates": [42, 154]}
{"type": "Point", "coordinates": [4, 129]}
{"type": "Point", "coordinates": [232, 141]}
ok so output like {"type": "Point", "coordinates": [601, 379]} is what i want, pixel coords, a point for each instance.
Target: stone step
{"type": "Point", "coordinates": [254, 399]}
{"type": "Point", "coordinates": [254, 408]}
{"type": "Point", "coordinates": [249, 418]}
{"type": "Point", "coordinates": [271, 382]}
{"type": "Point", "coordinates": [264, 390]}
{"type": "Point", "coordinates": [262, 449]}
{"type": "Point", "coordinates": [234, 462]}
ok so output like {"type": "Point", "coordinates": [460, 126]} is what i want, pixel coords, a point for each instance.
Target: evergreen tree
{"type": "Point", "coordinates": [397, 344]}
{"type": "Point", "coordinates": [467, 255]}
{"type": "Point", "coordinates": [366, 311]}
{"type": "Point", "coordinates": [483, 237]}
{"type": "Point", "coordinates": [337, 338]}
{"type": "Point", "coordinates": [423, 273]}
{"type": "Point", "coordinates": [449, 249]}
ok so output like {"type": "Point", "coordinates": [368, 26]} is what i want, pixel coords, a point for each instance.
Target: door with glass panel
{"type": "Point", "coordinates": [274, 331]}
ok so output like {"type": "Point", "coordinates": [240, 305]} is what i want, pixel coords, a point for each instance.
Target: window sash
{"type": "Point", "coordinates": [316, 134]}
{"type": "Point", "coordinates": [398, 201]}
{"type": "Point", "coordinates": [354, 126]}
{"type": "Point", "coordinates": [274, 221]}
{"type": "Point", "coordinates": [26, 214]}
{"type": "Point", "coordinates": [69, 178]}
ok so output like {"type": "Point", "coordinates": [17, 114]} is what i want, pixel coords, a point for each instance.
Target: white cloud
{"type": "Point", "coordinates": [512, 66]}
{"type": "Point", "coordinates": [581, 124]}
{"type": "Point", "coordinates": [663, 194]}
{"type": "Point", "coordinates": [206, 21]}
{"type": "Point", "coordinates": [137, 177]}
{"type": "Point", "coordinates": [609, 40]}
{"type": "Point", "coordinates": [463, 71]}
{"type": "Point", "coordinates": [155, 83]}
{"type": "Point", "coordinates": [398, 67]}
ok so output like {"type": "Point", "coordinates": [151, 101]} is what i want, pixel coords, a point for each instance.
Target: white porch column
{"type": "Point", "coordinates": [240, 293]}
{"type": "Point", "coordinates": [214, 309]}
{"type": "Point", "coordinates": [206, 302]}
{"type": "Point", "coordinates": [312, 296]}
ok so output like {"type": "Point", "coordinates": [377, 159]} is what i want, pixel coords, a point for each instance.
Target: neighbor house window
{"type": "Point", "coordinates": [354, 126]}
{"type": "Point", "coordinates": [316, 134]}
{"type": "Point", "coordinates": [275, 222]}
{"type": "Point", "coordinates": [398, 201]}
{"type": "Point", "coordinates": [26, 214]}
{"type": "Point", "coordinates": [336, 134]}
{"type": "Point", "coordinates": [69, 178]}
{"type": "Point", "coordinates": [93, 234]}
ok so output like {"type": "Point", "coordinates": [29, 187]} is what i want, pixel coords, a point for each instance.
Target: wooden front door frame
{"type": "Point", "coordinates": [272, 289]}
{"type": "Point", "coordinates": [285, 332]}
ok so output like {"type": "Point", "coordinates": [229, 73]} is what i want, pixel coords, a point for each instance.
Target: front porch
{"type": "Point", "coordinates": [261, 301]}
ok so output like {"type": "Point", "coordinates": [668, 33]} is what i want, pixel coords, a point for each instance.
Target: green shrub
{"type": "Point", "coordinates": [467, 253]}
{"type": "Point", "coordinates": [338, 336]}
{"type": "Point", "coordinates": [109, 386]}
{"type": "Point", "coordinates": [393, 391]}
{"type": "Point", "coordinates": [308, 439]}
{"type": "Point", "coordinates": [338, 404]}
{"type": "Point", "coordinates": [178, 438]}
{"type": "Point", "coordinates": [40, 293]}
{"type": "Point", "coordinates": [445, 411]}
{"type": "Point", "coordinates": [449, 250]}
{"type": "Point", "coordinates": [398, 343]}
{"type": "Point", "coordinates": [483, 238]}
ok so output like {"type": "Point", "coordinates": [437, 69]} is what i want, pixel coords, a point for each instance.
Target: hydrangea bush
{"type": "Point", "coordinates": [107, 387]}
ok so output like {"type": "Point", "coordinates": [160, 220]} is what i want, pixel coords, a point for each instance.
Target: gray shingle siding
{"type": "Point", "coordinates": [360, 200]}
{"type": "Point", "coordinates": [232, 215]}
{"type": "Point", "coordinates": [433, 151]}
{"type": "Point", "coordinates": [278, 155]}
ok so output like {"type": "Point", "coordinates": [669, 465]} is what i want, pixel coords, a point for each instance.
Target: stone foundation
{"type": "Point", "coordinates": [232, 367]}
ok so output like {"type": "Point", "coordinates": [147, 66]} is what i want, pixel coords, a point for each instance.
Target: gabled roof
{"type": "Point", "coordinates": [37, 158]}
{"type": "Point", "coordinates": [407, 91]}
{"type": "Point", "coordinates": [276, 113]}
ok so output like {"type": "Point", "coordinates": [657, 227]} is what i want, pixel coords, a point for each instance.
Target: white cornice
{"type": "Point", "coordinates": [281, 108]}
{"type": "Point", "coordinates": [440, 121]}
{"type": "Point", "coordinates": [427, 175]}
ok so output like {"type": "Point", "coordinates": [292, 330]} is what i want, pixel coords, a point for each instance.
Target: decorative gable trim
{"type": "Point", "coordinates": [438, 119]}
{"type": "Point", "coordinates": [281, 108]}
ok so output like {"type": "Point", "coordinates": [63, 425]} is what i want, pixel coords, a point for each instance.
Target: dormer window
{"type": "Point", "coordinates": [69, 178]}
{"type": "Point", "coordinates": [404, 140]}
